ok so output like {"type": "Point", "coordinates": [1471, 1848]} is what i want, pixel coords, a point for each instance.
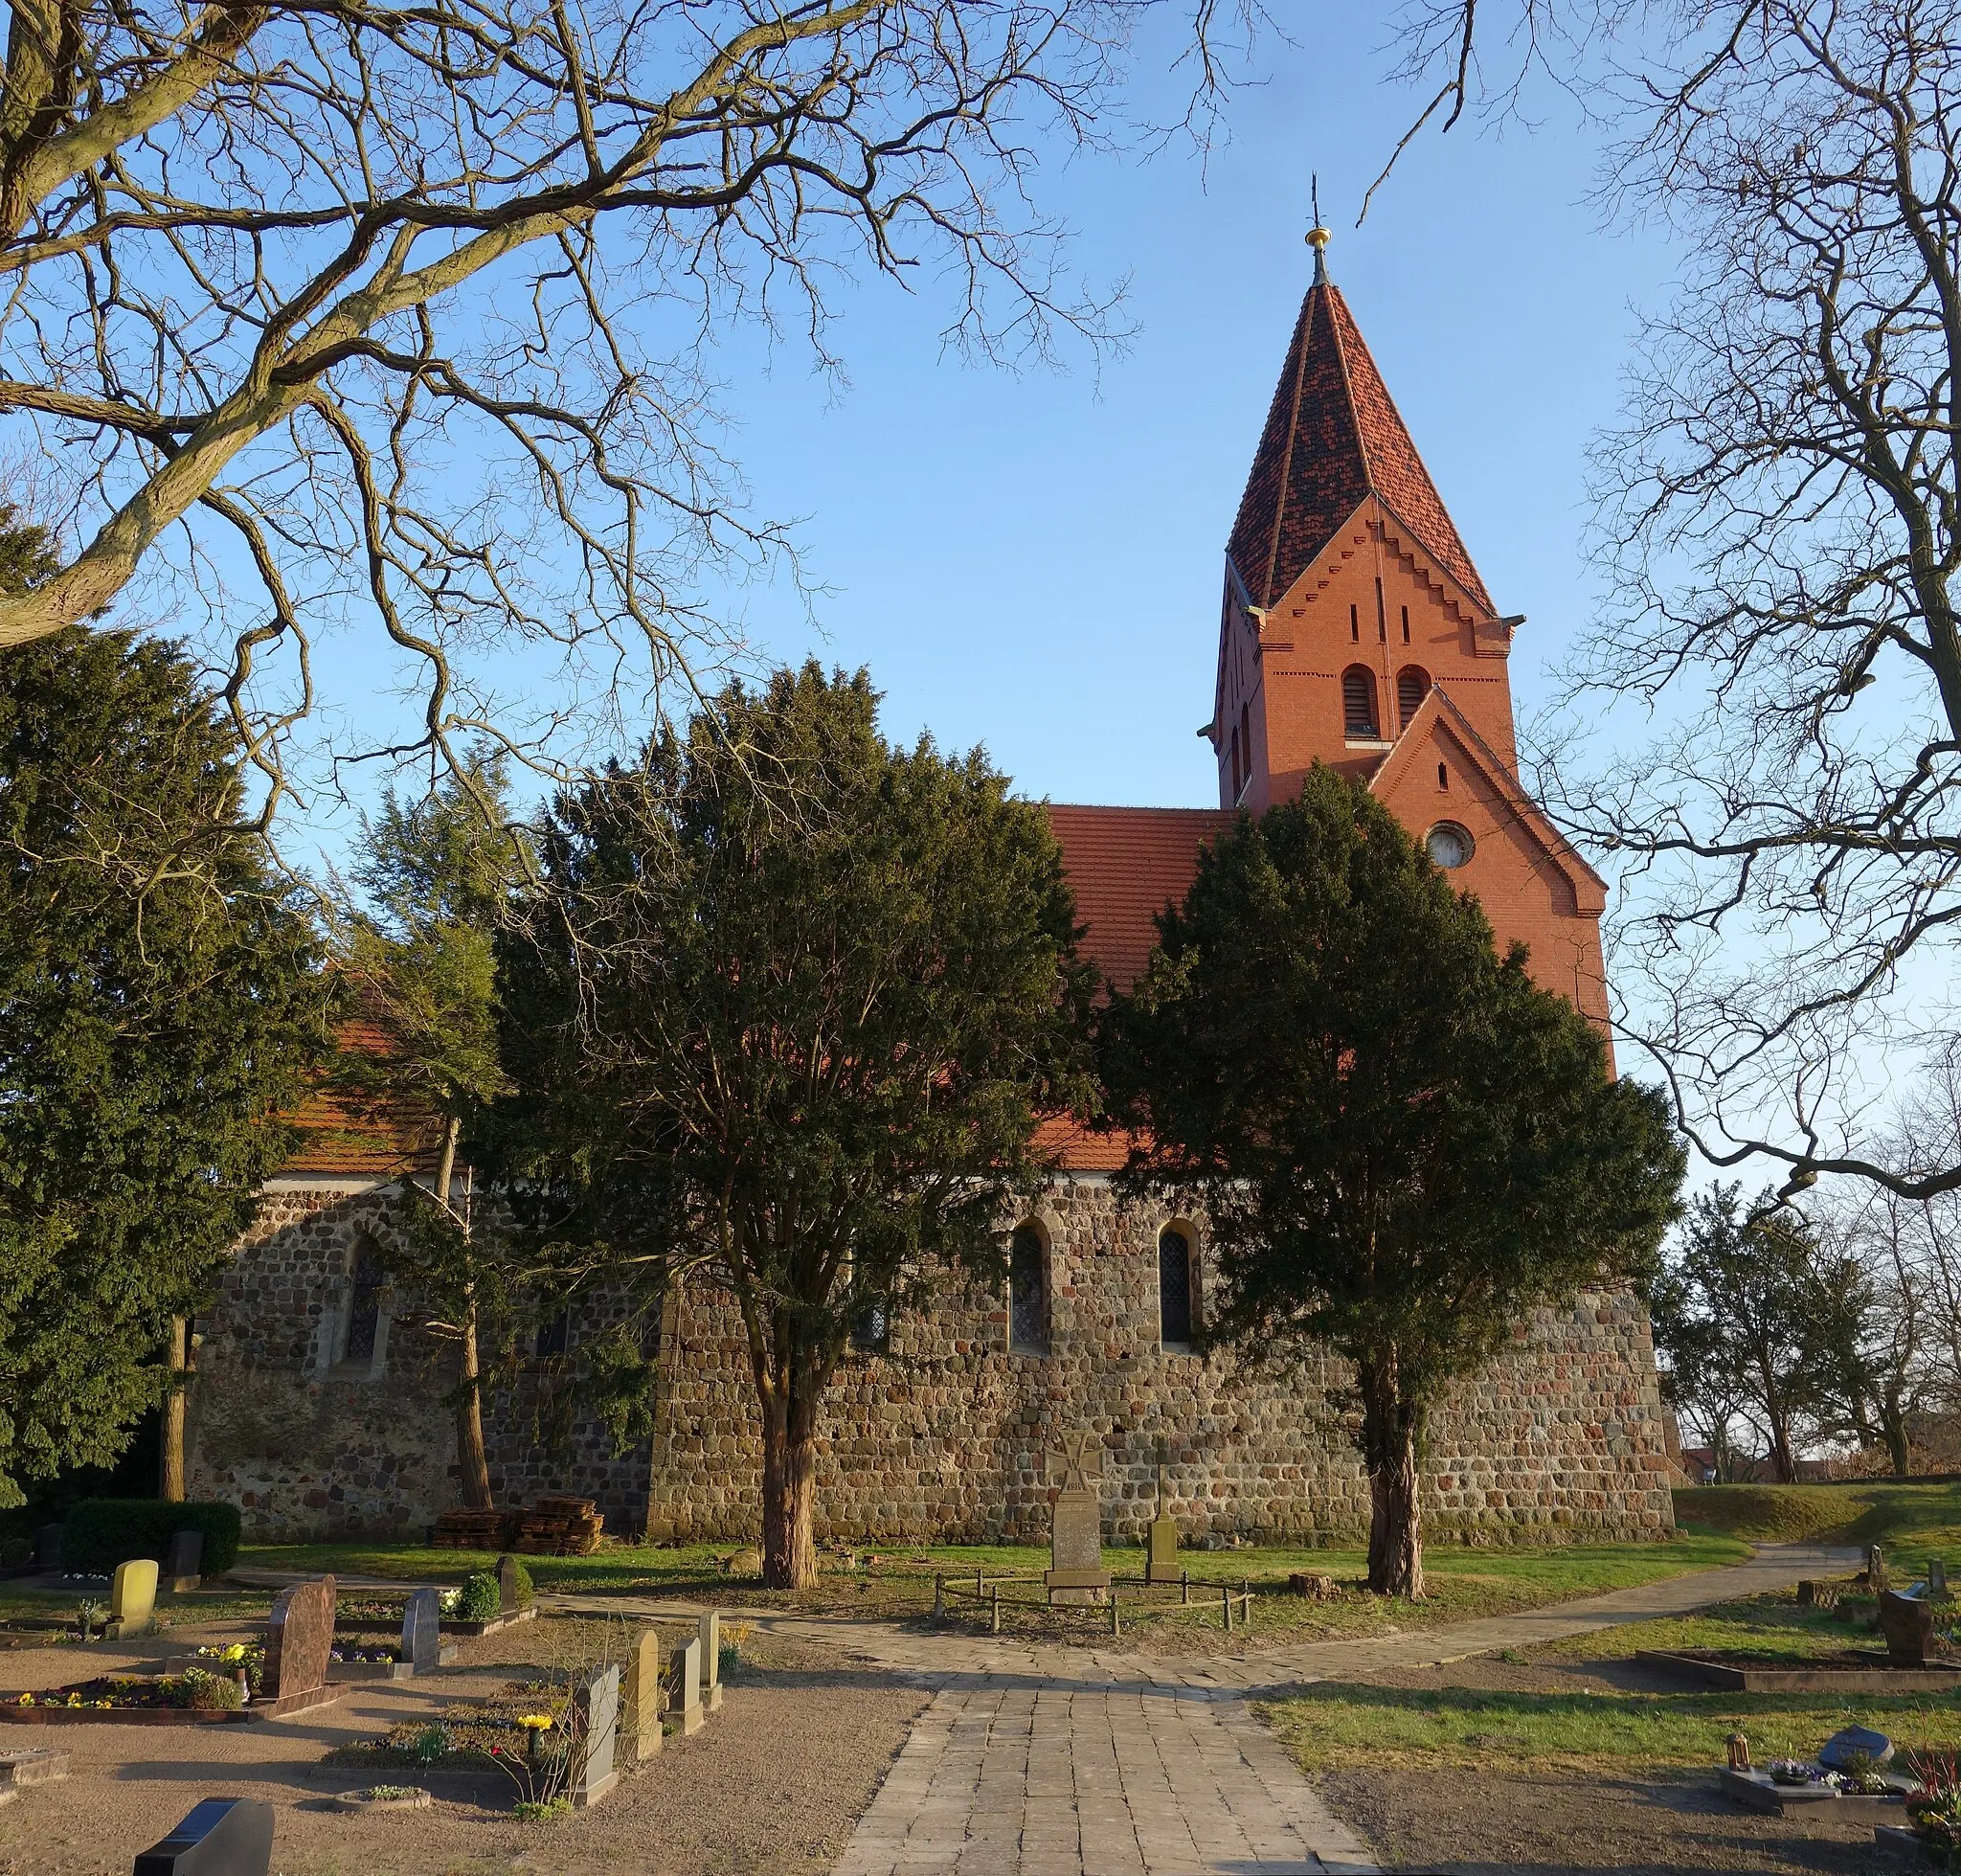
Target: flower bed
{"type": "Point", "coordinates": [195, 1697]}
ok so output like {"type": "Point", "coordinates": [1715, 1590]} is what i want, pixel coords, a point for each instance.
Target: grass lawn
{"type": "Point", "coordinates": [1771, 1625]}
{"type": "Point", "coordinates": [1465, 1583]}
{"type": "Point", "coordinates": [1913, 1523]}
{"type": "Point", "coordinates": [173, 1611]}
{"type": "Point", "coordinates": [1337, 1724]}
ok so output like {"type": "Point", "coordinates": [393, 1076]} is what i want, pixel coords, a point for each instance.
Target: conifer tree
{"type": "Point", "coordinates": [1404, 1144]}
{"type": "Point", "coordinates": [160, 1007]}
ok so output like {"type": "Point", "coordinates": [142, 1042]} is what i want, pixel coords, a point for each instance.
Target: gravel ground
{"type": "Point", "coordinates": [773, 1783]}
{"type": "Point", "coordinates": [1633, 1825]}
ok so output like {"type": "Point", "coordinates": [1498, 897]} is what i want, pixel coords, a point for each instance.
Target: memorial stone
{"type": "Point", "coordinates": [1937, 1578]}
{"type": "Point", "coordinates": [1875, 1569]}
{"type": "Point", "coordinates": [48, 1546]}
{"type": "Point", "coordinates": [711, 1662]}
{"type": "Point", "coordinates": [299, 1640]}
{"type": "Point", "coordinates": [186, 1561]}
{"type": "Point", "coordinates": [132, 1597]}
{"type": "Point", "coordinates": [1160, 1563]}
{"type": "Point", "coordinates": [421, 1649]}
{"type": "Point", "coordinates": [640, 1701]}
{"type": "Point", "coordinates": [1076, 1536]}
{"type": "Point", "coordinates": [218, 1837]}
{"type": "Point", "coordinates": [1854, 1743]}
{"type": "Point", "coordinates": [596, 1703]}
{"type": "Point", "coordinates": [507, 1587]}
{"type": "Point", "coordinates": [1907, 1622]}
{"type": "Point", "coordinates": [683, 1686]}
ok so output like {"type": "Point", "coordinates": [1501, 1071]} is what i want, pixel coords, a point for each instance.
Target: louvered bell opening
{"type": "Point", "coordinates": [1358, 703]}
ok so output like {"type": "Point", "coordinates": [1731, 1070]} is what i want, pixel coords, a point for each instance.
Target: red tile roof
{"type": "Point", "coordinates": [341, 1139]}
{"type": "Point", "coordinates": [1126, 865]}
{"type": "Point", "coordinates": [1333, 437]}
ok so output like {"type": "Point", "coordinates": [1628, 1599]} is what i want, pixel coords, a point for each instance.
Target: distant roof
{"type": "Point", "coordinates": [1332, 438]}
{"type": "Point", "coordinates": [1127, 864]}
{"type": "Point", "coordinates": [344, 1139]}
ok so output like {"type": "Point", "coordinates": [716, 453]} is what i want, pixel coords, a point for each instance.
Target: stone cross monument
{"type": "Point", "coordinates": [1161, 1563]}
{"type": "Point", "coordinates": [1075, 1537]}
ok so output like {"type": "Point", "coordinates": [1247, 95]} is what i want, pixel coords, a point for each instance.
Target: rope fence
{"type": "Point", "coordinates": [984, 1592]}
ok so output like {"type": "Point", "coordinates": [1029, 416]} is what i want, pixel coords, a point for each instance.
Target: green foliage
{"type": "Point", "coordinates": [481, 1600]}
{"type": "Point", "coordinates": [1776, 1514]}
{"type": "Point", "coordinates": [206, 1692]}
{"type": "Point", "coordinates": [541, 1810]}
{"type": "Point", "coordinates": [1758, 1323]}
{"type": "Point", "coordinates": [800, 1001]}
{"type": "Point", "coordinates": [526, 1589]}
{"type": "Point", "coordinates": [1404, 1144]}
{"type": "Point", "coordinates": [159, 1007]}
{"type": "Point", "coordinates": [101, 1532]}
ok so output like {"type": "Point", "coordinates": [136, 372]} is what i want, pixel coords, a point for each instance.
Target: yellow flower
{"type": "Point", "coordinates": [26, 1700]}
{"type": "Point", "coordinates": [535, 1722]}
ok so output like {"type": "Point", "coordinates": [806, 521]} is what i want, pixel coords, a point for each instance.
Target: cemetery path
{"type": "Point", "coordinates": [1047, 1760]}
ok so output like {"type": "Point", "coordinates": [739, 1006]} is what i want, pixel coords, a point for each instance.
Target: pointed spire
{"type": "Point", "coordinates": [1333, 439]}
{"type": "Point", "coordinates": [1318, 235]}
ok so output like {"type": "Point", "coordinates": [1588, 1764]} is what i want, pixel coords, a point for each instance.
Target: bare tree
{"type": "Point", "coordinates": [1782, 531]}
{"type": "Point", "coordinates": [397, 314]}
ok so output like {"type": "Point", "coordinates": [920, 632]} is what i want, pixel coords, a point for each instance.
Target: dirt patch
{"type": "Point", "coordinates": [773, 1784]}
{"type": "Point", "coordinates": [1635, 1825]}
{"type": "Point", "coordinates": [1540, 1675]}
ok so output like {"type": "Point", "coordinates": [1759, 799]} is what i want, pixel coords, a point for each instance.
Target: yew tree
{"type": "Point", "coordinates": [160, 1007]}
{"type": "Point", "coordinates": [790, 1016]}
{"type": "Point", "coordinates": [1405, 1145]}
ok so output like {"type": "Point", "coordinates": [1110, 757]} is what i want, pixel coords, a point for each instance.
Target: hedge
{"type": "Point", "coordinates": [100, 1533]}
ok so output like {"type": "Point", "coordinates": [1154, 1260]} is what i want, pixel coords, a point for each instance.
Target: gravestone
{"type": "Point", "coordinates": [186, 1561]}
{"type": "Point", "coordinates": [595, 1705]}
{"type": "Point", "coordinates": [640, 1701]}
{"type": "Point", "coordinates": [1875, 1569]}
{"type": "Point", "coordinates": [48, 1546]}
{"type": "Point", "coordinates": [218, 1837]}
{"type": "Point", "coordinates": [1907, 1622]}
{"type": "Point", "coordinates": [711, 1662]}
{"type": "Point", "coordinates": [507, 1587]}
{"type": "Point", "coordinates": [683, 1686]}
{"type": "Point", "coordinates": [1075, 1535]}
{"type": "Point", "coordinates": [1937, 1578]}
{"type": "Point", "coordinates": [421, 1650]}
{"type": "Point", "coordinates": [1160, 1562]}
{"type": "Point", "coordinates": [299, 1639]}
{"type": "Point", "coordinates": [132, 1597]}
{"type": "Point", "coordinates": [1855, 1742]}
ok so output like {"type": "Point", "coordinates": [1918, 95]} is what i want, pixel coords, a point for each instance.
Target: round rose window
{"type": "Point", "coordinates": [1447, 845]}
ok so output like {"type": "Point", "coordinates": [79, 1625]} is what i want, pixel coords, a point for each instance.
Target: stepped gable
{"type": "Point", "coordinates": [1332, 438]}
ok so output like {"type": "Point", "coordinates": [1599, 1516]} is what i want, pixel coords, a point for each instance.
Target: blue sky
{"type": "Point", "coordinates": [1032, 562]}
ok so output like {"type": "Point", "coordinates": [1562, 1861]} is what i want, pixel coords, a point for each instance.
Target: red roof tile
{"type": "Point", "coordinates": [1333, 437]}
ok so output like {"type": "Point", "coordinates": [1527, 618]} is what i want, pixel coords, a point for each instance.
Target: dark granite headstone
{"type": "Point", "coordinates": [48, 1546]}
{"type": "Point", "coordinates": [1842, 1747]}
{"type": "Point", "coordinates": [506, 1586]}
{"type": "Point", "coordinates": [218, 1837]}
{"type": "Point", "coordinates": [186, 1561]}
{"type": "Point", "coordinates": [595, 1702]}
{"type": "Point", "coordinates": [299, 1640]}
{"type": "Point", "coordinates": [1907, 1622]}
{"type": "Point", "coordinates": [422, 1632]}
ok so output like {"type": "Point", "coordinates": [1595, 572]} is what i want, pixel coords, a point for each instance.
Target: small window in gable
{"type": "Point", "coordinates": [1028, 1292]}
{"type": "Point", "coordinates": [1175, 1273]}
{"type": "Point", "coordinates": [1412, 686]}
{"type": "Point", "coordinates": [1443, 776]}
{"type": "Point", "coordinates": [1406, 624]}
{"type": "Point", "coordinates": [1358, 701]}
{"type": "Point", "coordinates": [1245, 741]}
{"type": "Point", "coordinates": [1355, 624]}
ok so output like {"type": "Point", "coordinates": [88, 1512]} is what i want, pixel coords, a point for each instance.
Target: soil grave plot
{"type": "Point", "coordinates": [1854, 1671]}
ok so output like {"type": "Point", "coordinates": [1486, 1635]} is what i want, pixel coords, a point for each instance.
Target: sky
{"type": "Point", "coordinates": [1032, 562]}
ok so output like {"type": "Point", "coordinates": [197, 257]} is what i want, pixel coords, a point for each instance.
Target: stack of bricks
{"type": "Point", "coordinates": [561, 1527]}
{"type": "Point", "coordinates": [475, 1530]}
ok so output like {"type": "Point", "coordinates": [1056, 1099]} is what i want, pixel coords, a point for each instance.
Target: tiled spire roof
{"type": "Point", "coordinates": [1334, 437]}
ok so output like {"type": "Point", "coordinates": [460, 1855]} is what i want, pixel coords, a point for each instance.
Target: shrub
{"type": "Point", "coordinates": [101, 1532]}
{"type": "Point", "coordinates": [480, 1600]}
{"type": "Point", "coordinates": [527, 1591]}
{"type": "Point", "coordinates": [15, 1552]}
{"type": "Point", "coordinates": [207, 1693]}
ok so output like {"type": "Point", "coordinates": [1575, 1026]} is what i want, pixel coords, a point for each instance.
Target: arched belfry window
{"type": "Point", "coordinates": [1358, 703]}
{"type": "Point", "coordinates": [1028, 1292]}
{"type": "Point", "coordinates": [364, 1304]}
{"type": "Point", "coordinates": [1176, 1271]}
{"type": "Point", "coordinates": [1412, 686]}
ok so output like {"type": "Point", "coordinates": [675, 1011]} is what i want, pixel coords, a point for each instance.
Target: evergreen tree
{"type": "Point", "coordinates": [160, 1005]}
{"type": "Point", "coordinates": [798, 1003]}
{"type": "Point", "coordinates": [1404, 1147]}
{"type": "Point", "coordinates": [439, 876]}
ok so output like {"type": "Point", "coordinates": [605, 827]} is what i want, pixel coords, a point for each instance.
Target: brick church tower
{"type": "Point", "coordinates": [1355, 631]}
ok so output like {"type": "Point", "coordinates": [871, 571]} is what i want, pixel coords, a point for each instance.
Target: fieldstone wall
{"type": "Point", "coordinates": [311, 1444]}
{"type": "Point", "coordinates": [944, 1435]}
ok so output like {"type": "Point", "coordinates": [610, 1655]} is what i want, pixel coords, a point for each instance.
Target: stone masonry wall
{"type": "Point", "coordinates": [944, 1435]}
{"type": "Point", "coordinates": [311, 1445]}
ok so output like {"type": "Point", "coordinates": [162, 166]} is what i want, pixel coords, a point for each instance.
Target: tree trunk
{"type": "Point", "coordinates": [789, 1494]}
{"type": "Point", "coordinates": [1395, 1530]}
{"type": "Point", "coordinates": [472, 1463]}
{"type": "Point", "coordinates": [1893, 1429]}
{"type": "Point", "coordinates": [170, 1456]}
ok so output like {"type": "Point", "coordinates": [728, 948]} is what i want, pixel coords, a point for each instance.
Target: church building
{"type": "Point", "coordinates": [1353, 631]}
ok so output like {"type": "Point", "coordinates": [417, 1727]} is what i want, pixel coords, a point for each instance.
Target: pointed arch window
{"type": "Point", "coordinates": [1358, 703]}
{"type": "Point", "coordinates": [1412, 686]}
{"type": "Point", "coordinates": [1028, 1292]}
{"type": "Point", "coordinates": [364, 1306]}
{"type": "Point", "coordinates": [1175, 1275]}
